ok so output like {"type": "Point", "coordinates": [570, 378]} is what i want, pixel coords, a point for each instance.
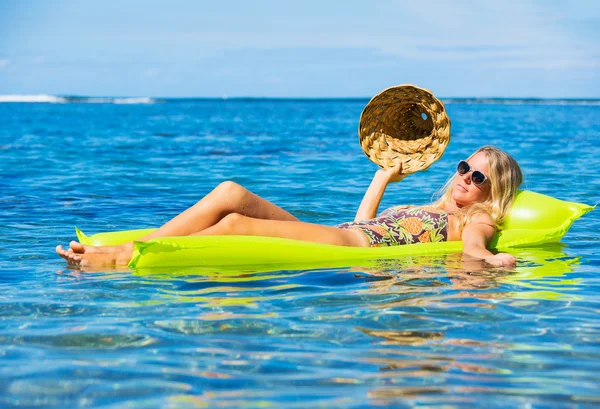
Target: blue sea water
{"type": "Point", "coordinates": [419, 331]}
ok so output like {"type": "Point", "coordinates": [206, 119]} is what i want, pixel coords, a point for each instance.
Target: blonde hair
{"type": "Point", "coordinates": [505, 177]}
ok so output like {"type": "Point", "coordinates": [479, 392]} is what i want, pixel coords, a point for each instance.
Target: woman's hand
{"type": "Point", "coordinates": [501, 259]}
{"type": "Point", "coordinates": [392, 174]}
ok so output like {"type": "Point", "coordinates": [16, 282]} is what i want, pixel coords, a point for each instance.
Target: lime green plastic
{"type": "Point", "coordinates": [534, 219]}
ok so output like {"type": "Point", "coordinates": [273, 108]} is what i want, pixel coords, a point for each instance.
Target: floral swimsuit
{"type": "Point", "coordinates": [404, 225]}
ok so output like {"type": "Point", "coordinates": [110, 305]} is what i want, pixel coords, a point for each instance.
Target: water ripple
{"type": "Point", "coordinates": [419, 331]}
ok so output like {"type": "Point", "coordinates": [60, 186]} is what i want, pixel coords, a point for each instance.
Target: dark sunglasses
{"type": "Point", "coordinates": [477, 177]}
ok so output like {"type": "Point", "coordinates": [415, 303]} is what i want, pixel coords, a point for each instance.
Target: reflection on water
{"type": "Point", "coordinates": [84, 340]}
{"type": "Point", "coordinates": [403, 337]}
{"type": "Point", "coordinates": [540, 269]}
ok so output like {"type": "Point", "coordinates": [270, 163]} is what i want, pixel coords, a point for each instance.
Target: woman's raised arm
{"type": "Point", "coordinates": [370, 202]}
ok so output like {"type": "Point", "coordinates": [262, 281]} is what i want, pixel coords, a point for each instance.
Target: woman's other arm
{"type": "Point", "coordinates": [477, 235]}
{"type": "Point", "coordinates": [370, 202]}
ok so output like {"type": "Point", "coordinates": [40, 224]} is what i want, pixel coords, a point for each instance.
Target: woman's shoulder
{"type": "Point", "coordinates": [482, 218]}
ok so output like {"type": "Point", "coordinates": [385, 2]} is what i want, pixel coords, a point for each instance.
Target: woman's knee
{"type": "Point", "coordinates": [230, 190]}
{"type": "Point", "coordinates": [225, 196]}
{"type": "Point", "coordinates": [233, 223]}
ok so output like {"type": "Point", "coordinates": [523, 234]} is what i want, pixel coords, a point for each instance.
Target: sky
{"type": "Point", "coordinates": [187, 48]}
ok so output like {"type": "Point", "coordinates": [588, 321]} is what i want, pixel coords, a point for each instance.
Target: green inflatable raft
{"type": "Point", "coordinates": [533, 220]}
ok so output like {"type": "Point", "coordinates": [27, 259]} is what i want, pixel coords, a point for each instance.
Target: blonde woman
{"type": "Point", "coordinates": [476, 200]}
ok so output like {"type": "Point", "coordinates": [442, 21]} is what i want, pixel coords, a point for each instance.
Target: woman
{"type": "Point", "coordinates": [475, 201]}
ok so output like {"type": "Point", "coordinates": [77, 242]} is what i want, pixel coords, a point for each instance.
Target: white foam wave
{"type": "Point", "coordinates": [139, 100]}
{"type": "Point", "coordinates": [33, 98]}
{"type": "Point", "coordinates": [53, 99]}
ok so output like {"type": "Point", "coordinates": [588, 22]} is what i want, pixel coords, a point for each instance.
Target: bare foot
{"type": "Point", "coordinates": [115, 259]}
{"type": "Point", "coordinates": [81, 249]}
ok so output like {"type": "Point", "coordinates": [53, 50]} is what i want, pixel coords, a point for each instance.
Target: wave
{"type": "Point", "coordinates": [136, 100]}
{"type": "Point", "coordinates": [54, 99]}
{"type": "Point", "coordinates": [33, 98]}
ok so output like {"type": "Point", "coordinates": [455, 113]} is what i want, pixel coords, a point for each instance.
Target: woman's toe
{"type": "Point", "coordinates": [73, 256]}
{"type": "Point", "coordinates": [60, 251]}
{"type": "Point", "coordinates": [77, 247]}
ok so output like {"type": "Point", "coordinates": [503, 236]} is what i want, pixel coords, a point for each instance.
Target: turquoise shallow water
{"type": "Point", "coordinates": [418, 331]}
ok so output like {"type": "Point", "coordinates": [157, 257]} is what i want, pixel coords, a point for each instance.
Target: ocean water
{"type": "Point", "coordinates": [418, 331]}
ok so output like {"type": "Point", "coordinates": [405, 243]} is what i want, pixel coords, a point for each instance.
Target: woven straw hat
{"type": "Point", "coordinates": [404, 124]}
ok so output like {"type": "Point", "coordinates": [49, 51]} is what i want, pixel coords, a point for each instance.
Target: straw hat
{"type": "Point", "coordinates": [404, 124]}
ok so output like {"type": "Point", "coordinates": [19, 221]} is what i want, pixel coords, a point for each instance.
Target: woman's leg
{"type": "Point", "coordinates": [237, 224]}
{"type": "Point", "coordinates": [227, 198]}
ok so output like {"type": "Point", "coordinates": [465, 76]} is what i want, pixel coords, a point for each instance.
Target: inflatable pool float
{"type": "Point", "coordinates": [534, 219]}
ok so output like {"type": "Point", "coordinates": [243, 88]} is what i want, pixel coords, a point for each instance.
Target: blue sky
{"type": "Point", "coordinates": [184, 48]}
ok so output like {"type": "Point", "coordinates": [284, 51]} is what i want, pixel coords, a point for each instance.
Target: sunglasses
{"type": "Point", "coordinates": [477, 177]}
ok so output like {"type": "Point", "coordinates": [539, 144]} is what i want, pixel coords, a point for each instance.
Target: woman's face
{"type": "Point", "coordinates": [464, 191]}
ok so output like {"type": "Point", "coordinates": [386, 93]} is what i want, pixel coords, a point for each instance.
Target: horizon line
{"type": "Point", "coordinates": [75, 97]}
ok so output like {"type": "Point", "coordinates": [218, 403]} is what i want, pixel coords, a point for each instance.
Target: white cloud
{"type": "Point", "coordinates": [4, 62]}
